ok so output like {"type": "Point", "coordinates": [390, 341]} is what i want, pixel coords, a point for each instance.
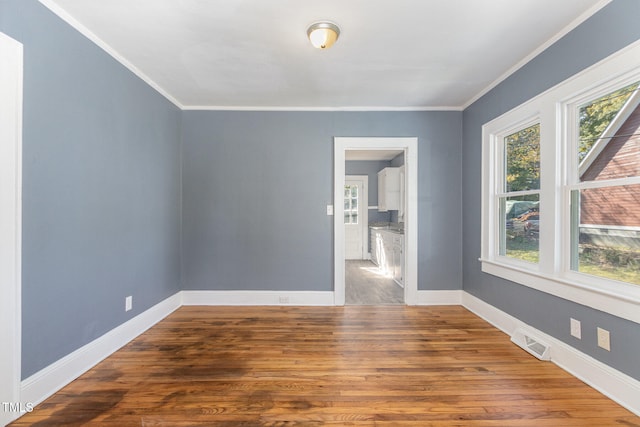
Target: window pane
{"type": "Point", "coordinates": [609, 140]}
{"type": "Point", "coordinates": [354, 204]}
{"type": "Point", "coordinates": [522, 158]}
{"type": "Point", "coordinates": [354, 191]}
{"type": "Point", "coordinates": [354, 218]}
{"type": "Point", "coordinates": [520, 227]}
{"type": "Point", "coordinates": [347, 218]}
{"type": "Point", "coordinates": [606, 232]}
{"type": "Point", "coordinates": [347, 191]}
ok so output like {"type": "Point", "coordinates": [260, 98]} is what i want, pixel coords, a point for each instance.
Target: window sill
{"type": "Point", "coordinates": [623, 301]}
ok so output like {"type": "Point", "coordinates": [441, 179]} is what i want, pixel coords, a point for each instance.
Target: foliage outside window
{"type": "Point", "coordinates": [605, 220]}
{"type": "Point", "coordinates": [573, 150]}
{"type": "Point", "coordinates": [519, 200]}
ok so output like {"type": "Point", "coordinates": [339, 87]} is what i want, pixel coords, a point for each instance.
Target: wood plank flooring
{"type": "Point", "coordinates": [364, 285]}
{"type": "Point", "coordinates": [312, 366]}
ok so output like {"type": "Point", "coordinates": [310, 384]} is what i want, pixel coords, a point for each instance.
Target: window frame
{"type": "Point", "coordinates": [556, 110]}
{"type": "Point", "coordinates": [501, 192]}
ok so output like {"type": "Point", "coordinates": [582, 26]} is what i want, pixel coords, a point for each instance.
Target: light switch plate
{"type": "Point", "coordinates": [329, 209]}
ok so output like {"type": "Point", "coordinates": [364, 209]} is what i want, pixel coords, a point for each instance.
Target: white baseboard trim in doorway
{"type": "Point", "coordinates": [308, 298]}
{"type": "Point", "coordinates": [49, 380]}
{"type": "Point", "coordinates": [614, 384]}
{"type": "Point", "coordinates": [439, 298]}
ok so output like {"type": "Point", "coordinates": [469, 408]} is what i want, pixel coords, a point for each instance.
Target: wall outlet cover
{"type": "Point", "coordinates": [128, 303]}
{"type": "Point", "coordinates": [604, 339]}
{"type": "Point", "coordinates": [576, 328]}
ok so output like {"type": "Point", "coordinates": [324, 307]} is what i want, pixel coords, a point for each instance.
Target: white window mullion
{"type": "Point", "coordinates": [550, 198]}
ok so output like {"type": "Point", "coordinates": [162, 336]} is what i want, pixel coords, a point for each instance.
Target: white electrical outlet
{"type": "Point", "coordinates": [128, 303]}
{"type": "Point", "coordinates": [284, 300]}
{"type": "Point", "coordinates": [329, 209]}
{"type": "Point", "coordinates": [576, 328]}
{"type": "Point", "coordinates": [604, 339]}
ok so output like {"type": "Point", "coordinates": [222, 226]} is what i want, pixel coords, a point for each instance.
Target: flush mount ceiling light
{"type": "Point", "coordinates": [323, 35]}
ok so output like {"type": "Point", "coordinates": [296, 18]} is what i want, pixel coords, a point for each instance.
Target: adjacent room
{"type": "Point", "coordinates": [246, 212]}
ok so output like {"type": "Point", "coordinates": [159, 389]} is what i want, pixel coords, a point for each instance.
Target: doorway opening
{"type": "Point", "coordinates": [379, 265]}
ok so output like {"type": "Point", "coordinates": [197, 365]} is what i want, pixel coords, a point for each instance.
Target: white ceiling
{"type": "Point", "coordinates": [254, 54]}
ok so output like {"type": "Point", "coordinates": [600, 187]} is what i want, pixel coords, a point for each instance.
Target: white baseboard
{"type": "Point", "coordinates": [614, 384]}
{"type": "Point", "coordinates": [49, 380]}
{"type": "Point", "coordinates": [257, 298]}
{"type": "Point", "coordinates": [439, 298]}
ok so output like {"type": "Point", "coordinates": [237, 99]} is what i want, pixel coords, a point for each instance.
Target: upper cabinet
{"type": "Point", "coordinates": [389, 189]}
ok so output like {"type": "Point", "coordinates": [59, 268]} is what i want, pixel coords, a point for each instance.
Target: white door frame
{"type": "Point", "coordinates": [10, 222]}
{"type": "Point", "coordinates": [363, 208]}
{"type": "Point", "coordinates": [410, 147]}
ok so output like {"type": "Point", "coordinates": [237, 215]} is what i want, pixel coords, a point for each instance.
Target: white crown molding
{"type": "Point", "coordinates": [49, 380]}
{"type": "Point", "coordinates": [566, 30]}
{"type": "Point", "coordinates": [62, 14]}
{"type": "Point", "coordinates": [284, 298]}
{"type": "Point", "coordinates": [312, 109]}
{"type": "Point", "coordinates": [614, 384]}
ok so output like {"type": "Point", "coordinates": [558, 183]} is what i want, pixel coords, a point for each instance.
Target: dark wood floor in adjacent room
{"type": "Point", "coordinates": [308, 366]}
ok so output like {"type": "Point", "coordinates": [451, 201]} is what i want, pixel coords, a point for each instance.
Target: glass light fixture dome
{"type": "Point", "coordinates": [323, 35]}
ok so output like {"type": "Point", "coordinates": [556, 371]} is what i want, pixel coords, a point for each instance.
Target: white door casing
{"type": "Point", "coordinates": [410, 146]}
{"type": "Point", "coordinates": [356, 234]}
{"type": "Point", "coordinates": [10, 222]}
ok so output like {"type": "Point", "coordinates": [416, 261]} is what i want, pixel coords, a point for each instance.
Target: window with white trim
{"type": "Point", "coordinates": [605, 185]}
{"type": "Point", "coordinates": [518, 194]}
{"type": "Point", "coordinates": [574, 151]}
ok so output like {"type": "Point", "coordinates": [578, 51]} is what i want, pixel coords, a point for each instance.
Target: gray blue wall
{"type": "Point", "coordinates": [256, 186]}
{"type": "Point", "coordinates": [101, 208]}
{"type": "Point", "coordinates": [371, 169]}
{"type": "Point", "coordinates": [611, 29]}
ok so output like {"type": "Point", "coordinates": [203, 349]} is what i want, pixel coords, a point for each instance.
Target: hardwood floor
{"type": "Point", "coordinates": [364, 285]}
{"type": "Point", "coordinates": [311, 366]}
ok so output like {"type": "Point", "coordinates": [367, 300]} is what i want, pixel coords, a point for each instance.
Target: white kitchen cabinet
{"type": "Point", "coordinates": [398, 259]}
{"type": "Point", "coordinates": [389, 189]}
{"type": "Point", "coordinates": [387, 251]}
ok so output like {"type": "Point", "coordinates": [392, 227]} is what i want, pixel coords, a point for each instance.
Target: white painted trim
{"type": "Point", "coordinates": [439, 297]}
{"type": "Point", "coordinates": [11, 70]}
{"type": "Point", "coordinates": [301, 298]}
{"type": "Point", "coordinates": [65, 16]}
{"type": "Point", "coordinates": [410, 145]}
{"type": "Point", "coordinates": [587, 290]}
{"type": "Point", "coordinates": [614, 384]}
{"type": "Point", "coordinates": [49, 380]}
{"type": "Point", "coordinates": [553, 274]}
{"type": "Point", "coordinates": [566, 30]}
{"type": "Point", "coordinates": [363, 207]}
{"type": "Point", "coordinates": [311, 108]}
